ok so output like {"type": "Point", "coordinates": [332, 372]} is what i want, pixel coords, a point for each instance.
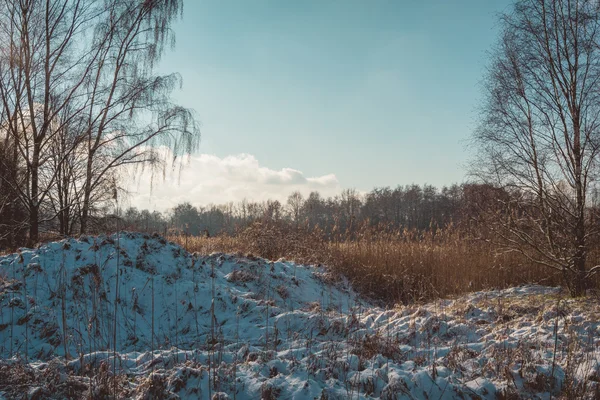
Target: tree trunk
{"type": "Point", "coordinates": [84, 213]}
{"type": "Point", "coordinates": [33, 225]}
{"type": "Point", "coordinates": [13, 209]}
{"type": "Point", "coordinates": [33, 202]}
{"type": "Point", "coordinates": [580, 285]}
{"type": "Point", "coordinates": [579, 282]}
{"type": "Point", "coordinates": [85, 208]}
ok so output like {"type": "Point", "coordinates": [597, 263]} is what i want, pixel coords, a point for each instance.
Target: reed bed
{"type": "Point", "coordinates": [393, 267]}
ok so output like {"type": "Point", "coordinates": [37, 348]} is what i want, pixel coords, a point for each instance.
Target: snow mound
{"type": "Point", "coordinates": [227, 326]}
{"type": "Point", "coordinates": [68, 287]}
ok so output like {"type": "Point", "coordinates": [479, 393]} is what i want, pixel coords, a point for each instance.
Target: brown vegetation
{"type": "Point", "coordinates": [401, 266]}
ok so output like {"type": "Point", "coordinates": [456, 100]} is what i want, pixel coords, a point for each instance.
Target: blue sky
{"type": "Point", "coordinates": [378, 93]}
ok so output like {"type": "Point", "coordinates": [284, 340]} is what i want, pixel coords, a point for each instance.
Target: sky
{"type": "Point", "coordinates": [325, 95]}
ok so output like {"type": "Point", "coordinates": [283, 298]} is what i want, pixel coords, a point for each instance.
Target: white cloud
{"type": "Point", "coordinates": [207, 179]}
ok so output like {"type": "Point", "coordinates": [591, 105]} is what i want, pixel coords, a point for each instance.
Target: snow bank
{"type": "Point", "coordinates": [191, 326]}
{"type": "Point", "coordinates": [69, 286]}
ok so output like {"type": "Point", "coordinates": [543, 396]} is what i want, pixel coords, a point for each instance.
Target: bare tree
{"type": "Point", "coordinates": [130, 111]}
{"type": "Point", "coordinates": [13, 218]}
{"type": "Point", "coordinates": [80, 100]}
{"type": "Point", "coordinates": [295, 202]}
{"type": "Point", "coordinates": [350, 204]}
{"type": "Point", "coordinates": [67, 160]}
{"type": "Point", "coordinates": [42, 68]}
{"type": "Point", "coordinates": [538, 136]}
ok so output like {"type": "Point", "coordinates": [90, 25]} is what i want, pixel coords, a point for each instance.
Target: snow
{"type": "Point", "coordinates": [279, 330]}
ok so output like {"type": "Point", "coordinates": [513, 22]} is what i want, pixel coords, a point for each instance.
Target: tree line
{"type": "Point", "coordinates": [413, 207]}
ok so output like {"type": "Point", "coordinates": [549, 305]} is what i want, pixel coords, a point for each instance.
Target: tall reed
{"type": "Point", "coordinates": [389, 265]}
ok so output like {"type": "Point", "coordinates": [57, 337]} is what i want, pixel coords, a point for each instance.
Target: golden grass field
{"type": "Point", "coordinates": [393, 267]}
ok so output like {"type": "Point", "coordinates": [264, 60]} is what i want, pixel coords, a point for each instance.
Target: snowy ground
{"type": "Point", "coordinates": [228, 326]}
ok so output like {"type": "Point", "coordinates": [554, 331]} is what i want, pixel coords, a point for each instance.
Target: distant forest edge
{"type": "Point", "coordinates": [411, 207]}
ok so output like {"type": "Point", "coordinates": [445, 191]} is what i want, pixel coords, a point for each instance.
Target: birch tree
{"type": "Point", "coordinates": [538, 136]}
{"type": "Point", "coordinates": [81, 100]}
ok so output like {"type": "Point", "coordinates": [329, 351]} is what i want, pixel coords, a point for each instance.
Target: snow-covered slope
{"type": "Point", "coordinates": [159, 285]}
{"type": "Point", "coordinates": [192, 326]}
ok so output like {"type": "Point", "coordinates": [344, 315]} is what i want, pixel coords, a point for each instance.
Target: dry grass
{"type": "Point", "coordinates": [389, 266]}
{"type": "Point", "coordinates": [263, 240]}
{"type": "Point", "coordinates": [409, 270]}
